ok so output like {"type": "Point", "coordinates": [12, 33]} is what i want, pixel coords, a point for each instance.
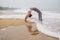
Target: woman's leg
{"type": "Point", "coordinates": [29, 26]}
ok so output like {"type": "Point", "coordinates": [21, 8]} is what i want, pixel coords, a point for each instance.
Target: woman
{"type": "Point", "coordinates": [30, 15]}
{"type": "Point", "coordinates": [36, 10]}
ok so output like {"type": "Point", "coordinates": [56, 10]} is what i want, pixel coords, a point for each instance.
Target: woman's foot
{"type": "Point", "coordinates": [35, 32]}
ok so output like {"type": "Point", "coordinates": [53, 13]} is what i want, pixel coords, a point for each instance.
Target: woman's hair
{"type": "Point", "coordinates": [30, 15]}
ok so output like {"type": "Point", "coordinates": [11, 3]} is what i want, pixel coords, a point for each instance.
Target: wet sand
{"type": "Point", "coordinates": [19, 31]}
{"type": "Point", "coordinates": [7, 22]}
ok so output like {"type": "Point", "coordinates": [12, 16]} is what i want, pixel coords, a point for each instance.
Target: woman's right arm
{"type": "Point", "coordinates": [27, 15]}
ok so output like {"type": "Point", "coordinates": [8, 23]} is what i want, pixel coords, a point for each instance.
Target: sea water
{"type": "Point", "coordinates": [52, 20]}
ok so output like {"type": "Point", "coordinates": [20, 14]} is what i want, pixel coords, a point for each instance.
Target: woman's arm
{"type": "Point", "coordinates": [28, 15]}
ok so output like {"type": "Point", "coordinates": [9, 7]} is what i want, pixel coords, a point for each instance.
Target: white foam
{"type": "Point", "coordinates": [4, 29]}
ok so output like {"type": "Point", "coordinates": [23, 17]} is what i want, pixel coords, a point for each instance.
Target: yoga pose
{"type": "Point", "coordinates": [30, 15]}
{"type": "Point", "coordinates": [36, 10]}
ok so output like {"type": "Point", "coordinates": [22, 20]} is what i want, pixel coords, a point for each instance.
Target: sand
{"type": "Point", "coordinates": [7, 22]}
{"type": "Point", "coordinates": [19, 31]}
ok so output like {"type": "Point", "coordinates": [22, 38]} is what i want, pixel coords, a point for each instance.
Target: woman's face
{"type": "Point", "coordinates": [30, 14]}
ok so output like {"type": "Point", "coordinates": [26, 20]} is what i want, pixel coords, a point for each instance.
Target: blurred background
{"type": "Point", "coordinates": [11, 9]}
{"type": "Point", "coordinates": [43, 5]}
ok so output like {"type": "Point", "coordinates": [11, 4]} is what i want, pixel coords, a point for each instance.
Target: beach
{"type": "Point", "coordinates": [15, 29]}
{"type": "Point", "coordinates": [6, 22]}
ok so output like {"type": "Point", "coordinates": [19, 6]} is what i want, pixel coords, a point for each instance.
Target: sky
{"type": "Point", "coordinates": [44, 5]}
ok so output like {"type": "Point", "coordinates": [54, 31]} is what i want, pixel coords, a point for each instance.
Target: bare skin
{"type": "Point", "coordinates": [35, 32]}
{"type": "Point", "coordinates": [27, 15]}
{"type": "Point", "coordinates": [30, 26]}
{"type": "Point", "coordinates": [14, 22]}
